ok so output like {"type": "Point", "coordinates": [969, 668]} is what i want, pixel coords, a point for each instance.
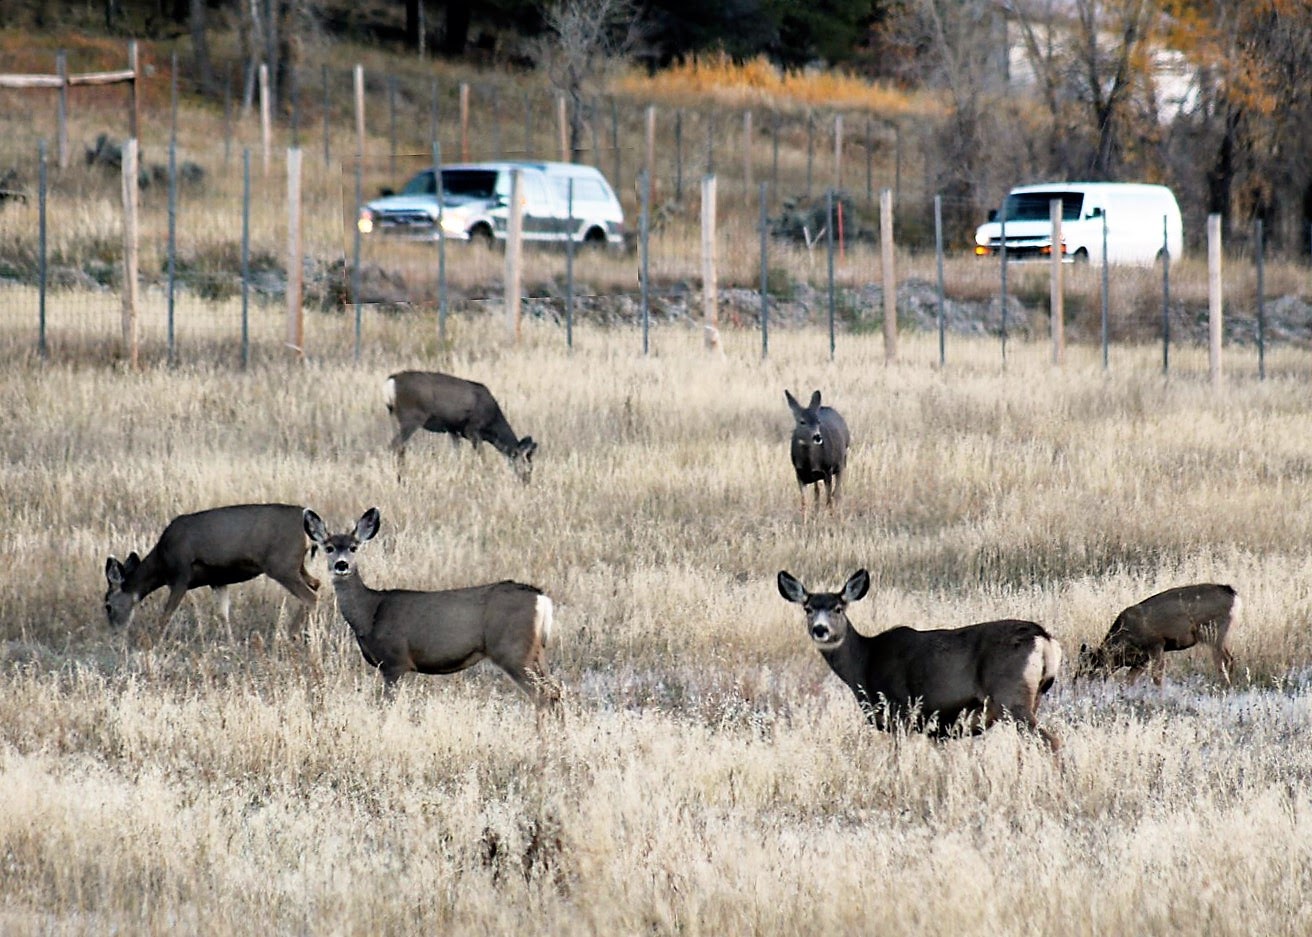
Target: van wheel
{"type": "Point", "coordinates": [595, 239]}
{"type": "Point", "coordinates": [481, 236]}
{"type": "Point", "coordinates": [1081, 256]}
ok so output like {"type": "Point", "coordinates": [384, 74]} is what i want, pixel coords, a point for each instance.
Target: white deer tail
{"type": "Point", "coordinates": [389, 394]}
{"type": "Point", "coordinates": [543, 619]}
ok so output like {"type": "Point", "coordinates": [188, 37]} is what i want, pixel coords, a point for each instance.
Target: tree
{"type": "Point", "coordinates": [586, 38]}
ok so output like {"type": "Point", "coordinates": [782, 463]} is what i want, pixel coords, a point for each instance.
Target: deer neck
{"type": "Point", "coordinates": [851, 662]}
{"type": "Point", "coordinates": [147, 577]}
{"type": "Point", "coordinates": [502, 437]}
{"type": "Point", "coordinates": [359, 603]}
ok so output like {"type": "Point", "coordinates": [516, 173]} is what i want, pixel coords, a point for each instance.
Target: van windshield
{"type": "Point", "coordinates": [1033, 206]}
{"type": "Point", "coordinates": [469, 183]}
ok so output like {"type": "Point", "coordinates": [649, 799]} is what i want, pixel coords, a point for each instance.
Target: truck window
{"type": "Point", "coordinates": [1033, 206]}
{"type": "Point", "coordinates": [470, 183]}
{"type": "Point", "coordinates": [422, 184]}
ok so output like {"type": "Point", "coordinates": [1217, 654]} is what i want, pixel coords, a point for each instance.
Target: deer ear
{"type": "Point", "coordinates": [131, 563]}
{"type": "Point", "coordinates": [815, 401]}
{"type": "Point", "coordinates": [792, 402]}
{"type": "Point", "coordinates": [790, 588]}
{"type": "Point", "coordinates": [367, 527]}
{"type": "Point", "coordinates": [857, 586]}
{"type": "Point", "coordinates": [527, 446]}
{"type": "Point", "coordinates": [113, 573]}
{"type": "Point", "coordinates": [314, 526]}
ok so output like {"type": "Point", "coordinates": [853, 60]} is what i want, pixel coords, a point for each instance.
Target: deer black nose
{"type": "Point", "coordinates": [341, 566]}
{"type": "Point", "coordinates": [820, 632]}
{"type": "Point", "coordinates": [817, 438]}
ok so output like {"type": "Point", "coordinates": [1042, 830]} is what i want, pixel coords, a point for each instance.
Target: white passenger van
{"type": "Point", "coordinates": [1141, 219]}
{"type": "Point", "coordinates": [476, 198]}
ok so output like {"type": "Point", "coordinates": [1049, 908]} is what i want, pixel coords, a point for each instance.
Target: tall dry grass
{"type": "Point", "coordinates": [709, 775]}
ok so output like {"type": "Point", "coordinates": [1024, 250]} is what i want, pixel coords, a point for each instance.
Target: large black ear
{"type": "Point", "coordinates": [527, 447]}
{"type": "Point", "coordinates": [815, 401]}
{"type": "Point", "coordinates": [790, 588]}
{"type": "Point", "coordinates": [367, 527]}
{"type": "Point", "coordinates": [792, 402]}
{"type": "Point", "coordinates": [113, 573]}
{"type": "Point", "coordinates": [314, 526]}
{"type": "Point", "coordinates": [856, 586]}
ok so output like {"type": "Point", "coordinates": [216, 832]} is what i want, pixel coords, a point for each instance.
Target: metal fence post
{"type": "Point", "coordinates": [829, 255]}
{"type": "Point", "coordinates": [1166, 300]}
{"type": "Point", "coordinates": [1106, 296]}
{"type": "Point", "coordinates": [172, 243]}
{"type": "Point", "coordinates": [441, 240]}
{"type": "Point", "coordinates": [765, 279]}
{"type": "Point", "coordinates": [644, 232]}
{"type": "Point", "coordinates": [1261, 301]}
{"type": "Point", "coordinates": [569, 265]}
{"type": "Point", "coordinates": [41, 347]}
{"type": "Point", "coordinates": [245, 256]}
{"type": "Point", "coordinates": [938, 260]}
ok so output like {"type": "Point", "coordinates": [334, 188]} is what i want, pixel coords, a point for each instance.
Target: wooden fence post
{"type": "Point", "coordinates": [514, 249]}
{"type": "Point", "coordinates": [1214, 297]}
{"type": "Point", "coordinates": [266, 123]}
{"type": "Point", "coordinates": [295, 263]}
{"type": "Point", "coordinates": [1056, 304]}
{"type": "Point", "coordinates": [890, 277]}
{"type": "Point", "coordinates": [61, 143]}
{"type": "Point", "coordinates": [747, 151]}
{"type": "Point", "coordinates": [134, 95]}
{"type": "Point", "coordinates": [562, 123]}
{"type": "Point", "coordinates": [464, 121]}
{"type": "Point", "coordinates": [130, 253]}
{"type": "Point", "coordinates": [710, 292]}
{"type": "Point", "coordinates": [359, 113]}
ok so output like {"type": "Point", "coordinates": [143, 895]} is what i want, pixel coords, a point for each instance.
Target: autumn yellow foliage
{"type": "Point", "coordinates": [719, 79]}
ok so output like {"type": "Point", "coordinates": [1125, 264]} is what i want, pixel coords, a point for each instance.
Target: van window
{"type": "Point", "coordinates": [1033, 206]}
{"type": "Point", "coordinates": [470, 183]}
{"type": "Point", "coordinates": [585, 190]}
{"type": "Point", "coordinates": [422, 184]}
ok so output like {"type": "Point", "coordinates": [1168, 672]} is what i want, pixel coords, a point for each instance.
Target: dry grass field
{"type": "Point", "coordinates": [709, 775]}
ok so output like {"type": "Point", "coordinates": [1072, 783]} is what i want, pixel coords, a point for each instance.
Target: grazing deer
{"type": "Point", "coordinates": [441, 403]}
{"type": "Point", "coordinates": [819, 447]}
{"type": "Point", "coordinates": [401, 630]}
{"type": "Point", "coordinates": [1168, 621]}
{"type": "Point", "coordinates": [926, 681]}
{"type": "Point", "coordinates": [214, 548]}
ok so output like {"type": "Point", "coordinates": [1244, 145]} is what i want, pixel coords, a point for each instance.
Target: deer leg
{"type": "Point", "coordinates": [1223, 659]}
{"type": "Point", "coordinates": [405, 430]}
{"type": "Point", "coordinates": [1158, 664]}
{"type": "Point", "coordinates": [177, 592]}
{"type": "Point", "coordinates": [224, 599]}
{"type": "Point", "coordinates": [297, 586]}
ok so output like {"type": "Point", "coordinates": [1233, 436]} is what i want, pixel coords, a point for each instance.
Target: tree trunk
{"type": "Point", "coordinates": [456, 35]}
{"type": "Point", "coordinates": [200, 47]}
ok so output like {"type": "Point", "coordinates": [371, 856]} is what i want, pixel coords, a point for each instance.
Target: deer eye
{"type": "Point", "coordinates": [328, 548]}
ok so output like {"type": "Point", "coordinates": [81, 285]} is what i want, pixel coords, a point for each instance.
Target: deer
{"type": "Point", "coordinates": [217, 548]}
{"type": "Point", "coordinates": [401, 631]}
{"type": "Point", "coordinates": [1173, 620]}
{"type": "Point", "coordinates": [941, 683]}
{"type": "Point", "coordinates": [819, 447]}
{"type": "Point", "coordinates": [443, 403]}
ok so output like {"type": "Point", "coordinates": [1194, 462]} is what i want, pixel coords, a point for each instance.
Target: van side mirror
{"type": "Point", "coordinates": [993, 214]}
{"type": "Point", "coordinates": [1095, 213]}
{"type": "Point", "coordinates": [386, 191]}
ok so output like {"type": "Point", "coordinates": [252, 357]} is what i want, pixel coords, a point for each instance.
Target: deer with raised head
{"type": "Point", "coordinates": [214, 548]}
{"type": "Point", "coordinates": [1172, 620]}
{"type": "Point", "coordinates": [442, 403]}
{"type": "Point", "coordinates": [941, 683]}
{"type": "Point", "coordinates": [402, 631]}
{"type": "Point", "coordinates": [818, 448]}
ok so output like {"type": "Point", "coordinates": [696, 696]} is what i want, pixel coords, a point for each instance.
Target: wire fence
{"type": "Point", "coordinates": [800, 237]}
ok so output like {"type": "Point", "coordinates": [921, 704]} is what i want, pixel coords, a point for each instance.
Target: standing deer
{"type": "Point", "coordinates": [214, 548]}
{"type": "Point", "coordinates": [1168, 621]}
{"type": "Point", "coordinates": [441, 403]}
{"type": "Point", "coordinates": [819, 447]}
{"type": "Point", "coordinates": [401, 630]}
{"type": "Point", "coordinates": [926, 681]}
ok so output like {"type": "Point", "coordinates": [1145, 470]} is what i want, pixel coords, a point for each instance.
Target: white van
{"type": "Point", "coordinates": [475, 199]}
{"type": "Point", "coordinates": [1140, 220]}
